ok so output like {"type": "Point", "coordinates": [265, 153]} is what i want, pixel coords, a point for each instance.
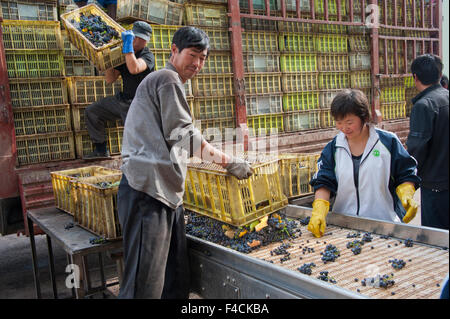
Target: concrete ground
{"type": "Point", "coordinates": [16, 273]}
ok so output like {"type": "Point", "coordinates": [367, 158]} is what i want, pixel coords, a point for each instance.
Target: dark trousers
{"type": "Point", "coordinates": [155, 254]}
{"type": "Point", "coordinates": [110, 108]}
{"type": "Point", "coordinates": [434, 208]}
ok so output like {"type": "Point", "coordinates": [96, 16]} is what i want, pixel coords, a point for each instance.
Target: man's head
{"type": "Point", "coordinates": [142, 32]}
{"type": "Point", "coordinates": [190, 48]}
{"type": "Point", "coordinates": [426, 70]}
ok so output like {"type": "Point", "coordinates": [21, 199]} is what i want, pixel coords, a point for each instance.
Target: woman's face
{"type": "Point", "coordinates": [351, 125]}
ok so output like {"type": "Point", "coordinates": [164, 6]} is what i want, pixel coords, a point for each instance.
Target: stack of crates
{"type": "Point", "coordinates": [410, 92]}
{"type": "Point", "coordinates": [34, 58]}
{"type": "Point", "coordinates": [393, 98]}
{"type": "Point", "coordinates": [212, 88]}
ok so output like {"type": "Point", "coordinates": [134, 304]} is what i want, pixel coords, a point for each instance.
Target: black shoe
{"type": "Point", "coordinates": [95, 155]}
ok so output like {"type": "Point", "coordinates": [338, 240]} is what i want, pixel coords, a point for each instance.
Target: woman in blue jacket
{"type": "Point", "coordinates": [367, 169]}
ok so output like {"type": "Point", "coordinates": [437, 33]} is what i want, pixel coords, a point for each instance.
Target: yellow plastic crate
{"type": "Point", "coordinates": [96, 205]}
{"type": "Point", "coordinates": [332, 28]}
{"type": "Point", "coordinates": [303, 101]}
{"type": "Point", "coordinates": [212, 85]}
{"type": "Point", "coordinates": [257, 41]}
{"type": "Point", "coordinates": [218, 62]}
{"type": "Point", "coordinates": [38, 92]}
{"type": "Point", "coordinates": [296, 42]}
{"type": "Point", "coordinates": [212, 192]}
{"type": "Point", "coordinates": [251, 24]}
{"type": "Point", "coordinates": [359, 43]}
{"type": "Point", "coordinates": [69, 49]}
{"type": "Point", "coordinates": [295, 82]}
{"type": "Point", "coordinates": [332, 62]}
{"type": "Point", "coordinates": [295, 27]}
{"type": "Point", "coordinates": [152, 11]}
{"type": "Point", "coordinates": [264, 104]}
{"type": "Point", "coordinates": [296, 170]}
{"type": "Point", "coordinates": [360, 61]}
{"type": "Point", "coordinates": [334, 80]}
{"type": "Point", "coordinates": [207, 15]}
{"type": "Point", "coordinates": [41, 148]}
{"type": "Point", "coordinates": [330, 43]}
{"type": "Point", "coordinates": [302, 62]}
{"type": "Point", "coordinates": [392, 94]}
{"type": "Point", "coordinates": [79, 67]}
{"type": "Point", "coordinates": [261, 62]}
{"type": "Point", "coordinates": [88, 89]}
{"type": "Point", "coordinates": [361, 79]}
{"type": "Point", "coordinates": [260, 83]}
{"type": "Point", "coordinates": [34, 63]}
{"type": "Point", "coordinates": [326, 97]}
{"type": "Point", "coordinates": [319, 7]}
{"type": "Point", "coordinates": [64, 190]}
{"type": "Point", "coordinates": [326, 119]}
{"type": "Point", "coordinates": [303, 120]}
{"type": "Point", "coordinates": [214, 107]}
{"type": "Point", "coordinates": [393, 111]}
{"type": "Point", "coordinates": [31, 35]}
{"type": "Point", "coordinates": [42, 119]}
{"type": "Point", "coordinates": [217, 129]}
{"type": "Point", "coordinates": [161, 58]}
{"type": "Point", "coordinates": [268, 124]}
{"type": "Point", "coordinates": [84, 143]}
{"type": "Point", "coordinates": [105, 57]}
{"type": "Point", "coordinates": [292, 6]}
{"type": "Point", "coordinates": [29, 10]}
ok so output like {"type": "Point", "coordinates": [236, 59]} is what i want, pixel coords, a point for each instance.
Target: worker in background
{"type": "Point", "coordinates": [158, 139]}
{"type": "Point", "coordinates": [139, 62]}
{"type": "Point", "coordinates": [444, 82]}
{"type": "Point", "coordinates": [367, 169]}
{"type": "Point", "coordinates": [428, 139]}
{"type": "Point", "coordinates": [109, 5]}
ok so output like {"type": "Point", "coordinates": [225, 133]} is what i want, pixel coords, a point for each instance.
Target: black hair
{"type": "Point", "coordinates": [427, 68]}
{"type": "Point", "coordinates": [350, 101]}
{"type": "Point", "coordinates": [191, 37]}
{"type": "Point", "coordinates": [444, 81]}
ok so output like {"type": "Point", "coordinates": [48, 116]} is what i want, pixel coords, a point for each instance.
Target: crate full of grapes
{"type": "Point", "coordinates": [95, 35]}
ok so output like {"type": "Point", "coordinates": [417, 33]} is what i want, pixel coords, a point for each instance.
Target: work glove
{"type": "Point", "coordinates": [239, 168]}
{"type": "Point", "coordinates": [127, 38]}
{"type": "Point", "coordinates": [317, 221]}
{"type": "Point", "coordinates": [405, 193]}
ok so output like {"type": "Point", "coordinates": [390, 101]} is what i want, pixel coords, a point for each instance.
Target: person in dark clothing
{"type": "Point", "coordinates": [139, 62]}
{"type": "Point", "coordinates": [110, 5]}
{"type": "Point", "coordinates": [428, 139]}
{"type": "Point", "coordinates": [444, 82]}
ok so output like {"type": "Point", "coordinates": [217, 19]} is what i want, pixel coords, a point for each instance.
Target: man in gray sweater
{"type": "Point", "coordinates": [157, 142]}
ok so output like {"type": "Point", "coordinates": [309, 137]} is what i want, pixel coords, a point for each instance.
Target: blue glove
{"type": "Point", "coordinates": [127, 38]}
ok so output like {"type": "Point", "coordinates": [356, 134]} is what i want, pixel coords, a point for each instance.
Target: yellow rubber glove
{"type": "Point", "coordinates": [405, 193]}
{"type": "Point", "coordinates": [317, 222]}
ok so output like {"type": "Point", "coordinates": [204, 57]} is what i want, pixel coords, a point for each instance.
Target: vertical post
{"type": "Point", "coordinates": [9, 186]}
{"type": "Point", "coordinates": [438, 18]}
{"type": "Point", "coordinates": [376, 113]}
{"type": "Point", "coordinates": [238, 71]}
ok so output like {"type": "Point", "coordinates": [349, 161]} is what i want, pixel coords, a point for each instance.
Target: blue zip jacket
{"type": "Point", "coordinates": [384, 165]}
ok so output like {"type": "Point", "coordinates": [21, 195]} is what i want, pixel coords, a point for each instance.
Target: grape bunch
{"type": "Point", "coordinates": [384, 281]}
{"type": "Point", "coordinates": [397, 263]}
{"type": "Point", "coordinates": [355, 246]}
{"type": "Point", "coordinates": [306, 268]}
{"type": "Point", "coordinates": [367, 237]}
{"type": "Point", "coordinates": [330, 253]}
{"type": "Point", "coordinates": [409, 242]}
{"type": "Point", "coordinates": [354, 235]}
{"type": "Point", "coordinates": [305, 221]}
{"type": "Point", "coordinates": [95, 29]}
{"type": "Point", "coordinates": [324, 276]}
